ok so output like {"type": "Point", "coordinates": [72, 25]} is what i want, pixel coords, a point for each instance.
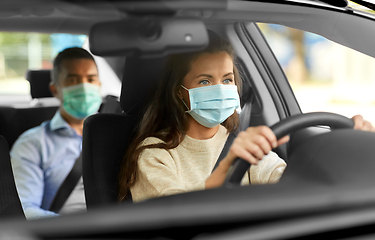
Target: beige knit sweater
{"type": "Point", "coordinates": [186, 167]}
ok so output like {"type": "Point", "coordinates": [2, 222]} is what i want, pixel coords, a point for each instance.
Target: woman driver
{"type": "Point", "coordinates": [187, 124]}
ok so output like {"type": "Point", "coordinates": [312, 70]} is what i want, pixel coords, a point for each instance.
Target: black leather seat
{"type": "Point", "coordinates": [39, 83]}
{"type": "Point", "coordinates": [106, 136]}
{"type": "Point", "coordinates": [10, 205]}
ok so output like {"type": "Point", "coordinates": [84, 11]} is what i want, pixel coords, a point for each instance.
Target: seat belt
{"type": "Point", "coordinates": [67, 186]}
{"type": "Point", "coordinates": [75, 174]}
{"type": "Point", "coordinates": [245, 117]}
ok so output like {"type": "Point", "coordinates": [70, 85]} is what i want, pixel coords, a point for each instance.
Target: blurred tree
{"type": "Point", "coordinates": [17, 37]}
{"type": "Point", "coordinates": [14, 52]}
{"type": "Point", "coordinates": [299, 69]}
{"type": "Point", "coordinates": [288, 44]}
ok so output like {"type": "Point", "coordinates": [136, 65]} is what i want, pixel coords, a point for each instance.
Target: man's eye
{"type": "Point", "coordinates": [72, 80]}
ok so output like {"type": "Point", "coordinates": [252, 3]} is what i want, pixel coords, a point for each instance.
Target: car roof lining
{"type": "Point", "coordinates": [53, 16]}
{"type": "Point", "coordinates": [330, 22]}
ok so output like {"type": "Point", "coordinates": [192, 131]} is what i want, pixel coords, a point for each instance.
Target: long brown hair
{"type": "Point", "coordinates": [165, 116]}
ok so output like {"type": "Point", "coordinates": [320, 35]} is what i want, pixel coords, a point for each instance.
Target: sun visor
{"type": "Point", "coordinates": [148, 37]}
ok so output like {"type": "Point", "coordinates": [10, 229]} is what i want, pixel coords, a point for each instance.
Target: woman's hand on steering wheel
{"type": "Point", "coordinates": [253, 144]}
{"type": "Point", "coordinates": [287, 126]}
{"type": "Point", "coordinates": [362, 124]}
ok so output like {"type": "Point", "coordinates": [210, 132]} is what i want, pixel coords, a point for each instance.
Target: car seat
{"type": "Point", "coordinates": [15, 120]}
{"type": "Point", "coordinates": [10, 205]}
{"type": "Point", "coordinates": [106, 136]}
{"type": "Point", "coordinates": [39, 83]}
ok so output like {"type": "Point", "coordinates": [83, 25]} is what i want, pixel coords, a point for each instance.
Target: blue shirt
{"type": "Point", "coordinates": [41, 158]}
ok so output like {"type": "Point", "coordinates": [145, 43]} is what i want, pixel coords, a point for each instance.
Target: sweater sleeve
{"type": "Point", "coordinates": [268, 170]}
{"type": "Point", "coordinates": [157, 174]}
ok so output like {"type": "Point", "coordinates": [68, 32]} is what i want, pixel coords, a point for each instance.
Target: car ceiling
{"type": "Point", "coordinates": [340, 25]}
{"type": "Point", "coordinates": [53, 16]}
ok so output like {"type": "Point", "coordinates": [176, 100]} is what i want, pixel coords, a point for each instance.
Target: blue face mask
{"type": "Point", "coordinates": [81, 100]}
{"type": "Point", "coordinates": [212, 105]}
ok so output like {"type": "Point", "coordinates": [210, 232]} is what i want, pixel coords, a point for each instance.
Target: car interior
{"type": "Point", "coordinates": [14, 120]}
{"type": "Point", "coordinates": [141, 75]}
{"type": "Point", "coordinates": [107, 136]}
{"type": "Point", "coordinates": [10, 205]}
{"type": "Point", "coordinates": [326, 190]}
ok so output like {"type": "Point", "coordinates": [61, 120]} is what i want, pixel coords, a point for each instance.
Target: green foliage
{"type": "Point", "coordinates": [10, 38]}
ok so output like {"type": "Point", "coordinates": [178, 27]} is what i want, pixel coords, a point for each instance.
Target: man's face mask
{"type": "Point", "coordinates": [212, 105]}
{"type": "Point", "coordinates": [81, 100]}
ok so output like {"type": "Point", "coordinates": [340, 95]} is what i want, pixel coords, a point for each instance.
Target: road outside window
{"type": "Point", "coordinates": [324, 75]}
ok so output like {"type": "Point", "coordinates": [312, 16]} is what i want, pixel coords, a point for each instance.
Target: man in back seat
{"type": "Point", "coordinates": [42, 157]}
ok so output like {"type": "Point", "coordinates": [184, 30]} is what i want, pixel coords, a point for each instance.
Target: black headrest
{"type": "Point", "coordinates": [39, 83]}
{"type": "Point", "coordinates": [139, 79]}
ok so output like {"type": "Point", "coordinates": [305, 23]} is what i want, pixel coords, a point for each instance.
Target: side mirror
{"type": "Point", "coordinates": [148, 37]}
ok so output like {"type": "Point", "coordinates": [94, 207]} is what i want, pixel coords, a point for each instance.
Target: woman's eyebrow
{"type": "Point", "coordinates": [204, 75]}
{"type": "Point", "coordinates": [210, 76]}
{"type": "Point", "coordinates": [226, 75]}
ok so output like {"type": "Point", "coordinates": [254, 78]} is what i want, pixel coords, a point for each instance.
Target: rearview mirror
{"type": "Point", "coordinates": [148, 37]}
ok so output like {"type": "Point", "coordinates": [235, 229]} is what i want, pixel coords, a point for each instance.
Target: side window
{"type": "Point", "coordinates": [22, 51]}
{"type": "Point", "coordinates": [324, 75]}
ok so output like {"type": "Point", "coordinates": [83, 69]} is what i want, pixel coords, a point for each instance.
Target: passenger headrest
{"type": "Point", "coordinates": [39, 83]}
{"type": "Point", "coordinates": [138, 82]}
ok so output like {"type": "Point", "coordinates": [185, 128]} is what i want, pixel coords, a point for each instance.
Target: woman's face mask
{"type": "Point", "coordinates": [81, 100]}
{"type": "Point", "coordinates": [212, 105]}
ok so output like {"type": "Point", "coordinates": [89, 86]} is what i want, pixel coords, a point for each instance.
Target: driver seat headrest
{"type": "Point", "coordinates": [107, 136]}
{"type": "Point", "coordinates": [139, 80]}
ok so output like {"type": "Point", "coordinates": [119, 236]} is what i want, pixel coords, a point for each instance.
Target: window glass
{"type": "Point", "coordinates": [22, 51]}
{"type": "Point", "coordinates": [324, 75]}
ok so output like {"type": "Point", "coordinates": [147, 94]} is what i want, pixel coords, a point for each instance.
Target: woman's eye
{"type": "Point", "coordinates": [228, 80]}
{"type": "Point", "coordinates": [204, 82]}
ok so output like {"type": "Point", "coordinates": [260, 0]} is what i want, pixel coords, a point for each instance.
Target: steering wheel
{"type": "Point", "coordinates": [284, 127]}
